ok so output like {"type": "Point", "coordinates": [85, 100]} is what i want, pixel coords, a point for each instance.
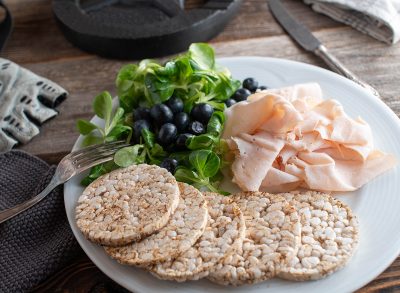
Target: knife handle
{"type": "Point", "coordinates": [338, 67]}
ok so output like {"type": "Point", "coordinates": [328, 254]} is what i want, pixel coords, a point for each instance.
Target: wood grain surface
{"type": "Point", "coordinates": [38, 44]}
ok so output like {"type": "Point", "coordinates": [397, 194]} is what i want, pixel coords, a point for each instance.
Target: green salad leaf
{"type": "Point", "coordinates": [91, 139]}
{"type": "Point", "coordinates": [119, 132]}
{"type": "Point", "coordinates": [86, 127]}
{"type": "Point", "coordinates": [202, 172]}
{"type": "Point", "coordinates": [186, 175]}
{"type": "Point", "coordinates": [149, 138]}
{"type": "Point", "coordinates": [202, 55]}
{"type": "Point", "coordinates": [202, 141]}
{"type": "Point", "coordinates": [102, 106]}
{"type": "Point", "coordinates": [205, 162]}
{"type": "Point", "coordinates": [98, 171]}
{"type": "Point", "coordinates": [130, 155]}
{"type": "Point", "coordinates": [216, 123]}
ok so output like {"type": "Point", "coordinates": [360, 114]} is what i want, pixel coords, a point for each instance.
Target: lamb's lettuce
{"type": "Point", "coordinates": [195, 78]}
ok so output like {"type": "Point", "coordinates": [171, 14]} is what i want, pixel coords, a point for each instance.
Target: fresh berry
{"type": "Point", "coordinates": [141, 114]}
{"type": "Point", "coordinates": [167, 134]}
{"type": "Point", "coordinates": [251, 84]}
{"type": "Point", "coordinates": [181, 140]}
{"type": "Point", "coordinates": [202, 112]}
{"type": "Point", "coordinates": [181, 121]}
{"type": "Point", "coordinates": [230, 102]}
{"type": "Point", "coordinates": [169, 164]}
{"type": "Point", "coordinates": [196, 127]}
{"type": "Point", "coordinates": [161, 114]}
{"type": "Point", "coordinates": [175, 104]}
{"type": "Point", "coordinates": [241, 95]}
{"type": "Point", "coordinates": [138, 126]}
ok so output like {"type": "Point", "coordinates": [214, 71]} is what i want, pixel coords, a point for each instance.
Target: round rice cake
{"type": "Point", "coordinates": [224, 233]}
{"type": "Point", "coordinates": [329, 236]}
{"type": "Point", "coordinates": [182, 231]}
{"type": "Point", "coordinates": [272, 238]}
{"type": "Point", "coordinates": [127, 204]}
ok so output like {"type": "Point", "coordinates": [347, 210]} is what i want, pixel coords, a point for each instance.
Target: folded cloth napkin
{"type": "Point", "coordinates": [26, 99]}
{"type": "Point", "coordinates": [377, 18]}
{"type": "Point", "coordinates": [39, 241]}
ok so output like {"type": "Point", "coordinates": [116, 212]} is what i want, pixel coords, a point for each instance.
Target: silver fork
{"type": "Point", "coordinates": [72, 164]}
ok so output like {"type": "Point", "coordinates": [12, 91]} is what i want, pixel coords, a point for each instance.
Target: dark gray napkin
{"type": "Point", "coordinates": [38, 242]}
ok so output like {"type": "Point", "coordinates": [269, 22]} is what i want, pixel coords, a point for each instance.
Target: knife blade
{"type": "Point", "coordinates": [304, 37]}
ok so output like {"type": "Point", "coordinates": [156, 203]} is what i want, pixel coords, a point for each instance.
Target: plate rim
{"type": "Point", "coordinates": [391, 115]}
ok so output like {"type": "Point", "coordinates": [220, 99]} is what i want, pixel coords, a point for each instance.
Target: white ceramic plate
{"type": "Point", "coordinates": [376, 204]}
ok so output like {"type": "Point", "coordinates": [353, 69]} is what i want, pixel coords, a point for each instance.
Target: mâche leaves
{"type": "Point", "coordinates": [215, 125]}
{"type": "Point", "coordinates": [205, 162]}
{"type": "Point", "coordinates": [92, 139]}
{"type": "Point", "coordinates": [85, 127]}
{"type": "Point", "coordinates": [202, 141]}
{"type": "Point", "coordinates": [130, 155]}
{"type": "Point", "coordinates": [148, 138]}
{"type": "Point", "coordinates": [202, 55]}
{"type": "Point", "coordinates": [114, 128]}
{"type": "Point", "coordinates": [202, 170]}
{"type": "Point", "coordinates": [102, 106]}
{"type": "Point", "coordinates": [98, 171]}
{"type": "Point", "coordinates": [192, 78]}
{"type": "Point", "coordinates": [119, 132]}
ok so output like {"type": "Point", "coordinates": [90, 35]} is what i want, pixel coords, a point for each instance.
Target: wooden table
{"type": "Point", "coordinates": [38, 44]}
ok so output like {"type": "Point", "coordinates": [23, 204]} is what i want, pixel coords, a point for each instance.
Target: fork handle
{"type": "Point", "coordinates": [12, 212]}
{"type": "Point", "coordinates": [338, 67]}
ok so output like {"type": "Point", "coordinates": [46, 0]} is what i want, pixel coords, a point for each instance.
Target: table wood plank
{"type": "Point", "coordinates": [86, 76]}
{"type": "Point", "coordinates": [35, 18]}
{"type": "Point", "coordinates": [38, 44]}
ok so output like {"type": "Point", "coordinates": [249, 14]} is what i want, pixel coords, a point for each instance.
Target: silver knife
{"type": "Point", "coordinates": [308, 41]}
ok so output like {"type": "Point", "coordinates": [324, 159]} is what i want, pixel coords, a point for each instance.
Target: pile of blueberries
{"type": "Point", "coordinates": [249, 86]}
{"type": "Point", "coordinates": [173, 126]}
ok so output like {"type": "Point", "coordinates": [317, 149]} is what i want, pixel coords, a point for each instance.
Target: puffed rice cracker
{"type": "Point", "coordinates": [127, 204]}
{"type": "Point", "coordinates": [182, 231]}
{"type": "Point", "coordinates": [272, 238]}
{"type": "Point", "coordinates": [224, 234]}
{"type": "Point", "coordinates": [329, 236]}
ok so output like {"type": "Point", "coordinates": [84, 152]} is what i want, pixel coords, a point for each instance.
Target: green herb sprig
{"type": "Point", "coordinates": [114, 127]}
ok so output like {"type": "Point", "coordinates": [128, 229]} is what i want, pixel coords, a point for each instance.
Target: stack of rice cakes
{"type": "Point", "coordinates": [143, 217]}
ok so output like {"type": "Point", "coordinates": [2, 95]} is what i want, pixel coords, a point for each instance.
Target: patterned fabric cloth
{"type": "Point", "coordinates": [26, 99]}
{"type": "Point", "coordinates": [377, 18]}
{"type": "Point", "coordinates": [38, 242]}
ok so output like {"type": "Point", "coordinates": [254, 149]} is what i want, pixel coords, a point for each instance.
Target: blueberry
{"type": "Point", "coordinates": [230, 102]}
{"type": "Point", "coordinates": [181, 121]}
{"type": "Point", "coordinates": [175, 104]}
{"type": "Point", "coordinates": [167, 134]}
{"type": "Point", "coordinates": [241, 95]}
{"type": "Point", "coordinates": [161, 114]}
{"type": "Point", "coordinates": [262, 87]}
{"type": "Point", "coordinates": [181, 140]}
{"type": "Point", "coordinates": [138, 126]}
{"type": "Point", "coordinates": [196, 127]}
{"type": "Point", "coordinates": [141, 114]}
{"type": "Point", "coordinates": [169, 164]}
{"type": "Point", "coordinates": [251, 84]}
{"type": "Point", "coordinates": [202, 112]}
